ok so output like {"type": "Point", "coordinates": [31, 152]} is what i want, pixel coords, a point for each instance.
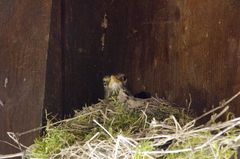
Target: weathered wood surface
{"type": "Point", "coordinates": [172, 48]}
{"type": "Point", "coordinates": [169, 47]}
{"type": "Point", "coordinates": [54, 96]}
{"type": "Point", "coordinates": [176, 48]}
{"type": "Point", "coordinates": [24, 37]}
{"type": "Point", "coordinates": [84, 63]}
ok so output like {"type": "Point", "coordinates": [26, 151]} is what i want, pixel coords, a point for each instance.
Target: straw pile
{"type": "Point", "coordinates": [138, 129]}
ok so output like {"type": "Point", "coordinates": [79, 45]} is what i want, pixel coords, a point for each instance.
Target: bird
{"type": "Point", "coordinates": [115, 87]}
{"type": "Point", "coordinates": [113, 84]}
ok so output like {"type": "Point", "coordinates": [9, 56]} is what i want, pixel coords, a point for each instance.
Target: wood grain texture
{"type": "Point", "coordinates": [176, 48]}
{"type": "Point", "coordinates": [207, 44]}
{"type": "Point", "coordinates": [53, 101]}
{"type": "Point", "coordinates": [24, 37]}
{"type": "Point", "coordinates": [167, 47]}
{"type": "Point", "coordinates": [83, 60]}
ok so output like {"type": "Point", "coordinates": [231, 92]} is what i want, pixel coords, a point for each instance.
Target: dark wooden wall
{"type": "Point", "coordinates": [169, 47]}
{"type": "Point", "coordinates": [83, 60]}
{"type": "Point", "coordinates": [24, 33]}
{"type": "Point", "coordinates": [54, 96]}
{"type": "Point", "coordinates": [175, 49]}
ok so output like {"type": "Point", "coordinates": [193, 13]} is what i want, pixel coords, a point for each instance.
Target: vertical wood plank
{"type": "Point", "coordinates": [168, 47]}
{"type": "Point", "coordinates": [207, 47]}
{"type": "Point", "coordinates": [83, 59]}
{"type": "Point", "coordinates": [176, 48]}
{"type": "Point", "coordinates": [24, 36]}
{"type": "Point", "coordinates": [53, 101]}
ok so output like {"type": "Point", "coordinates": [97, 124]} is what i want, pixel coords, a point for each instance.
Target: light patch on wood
{"type": "Point", "coordinates": [104, 25]}
{"type": "Point", "coordinates": [1, 103]}
{"type": "Point", "coordinates": [5, 82]}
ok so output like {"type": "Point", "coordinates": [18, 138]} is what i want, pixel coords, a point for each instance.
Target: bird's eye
{"type": "Point", "coordinates": [106, 80]}
{"type": "Point", "coordinates": [124, 78]}
{"type": "Point", "coordinates": [105, 84]}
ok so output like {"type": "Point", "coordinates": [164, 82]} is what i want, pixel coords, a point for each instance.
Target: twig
{"type": "Point", "coordinates": [177, 125]}
{"type": "Point", "coordinates": [104, 130]}
{"type": "Point", "coordinates": [116, 148]}
{"type": "Point", "coordinates": [15, 138]}
{"type": "Point", "coordinates": [52, 124]}
{"type": "Point", "coordinates": [168, 130]}
{"type": "Point", "coordinates": [20, 154]}
{"type": "Point", "coordinates": [197, 147]}
{"type": "Point", "coordinates": [215, 117]}
{"type": "Point", "coordinates": [219, 107]}
{"type": "Point", "coordinates": [219, 134]}
{"type": "Point", "coordinates": [92, 138]}
{"type": "Point", "coordinates": [10, 144]}
{"type": "Point", "coordinates": [189, 103]}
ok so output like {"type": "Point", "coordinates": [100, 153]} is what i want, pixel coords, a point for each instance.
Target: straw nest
{"type": "Point", "coordinates": [138, 129]}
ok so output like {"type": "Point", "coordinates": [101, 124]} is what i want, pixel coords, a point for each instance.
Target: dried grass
{"type": "Point", "coordinates": [152, 128]}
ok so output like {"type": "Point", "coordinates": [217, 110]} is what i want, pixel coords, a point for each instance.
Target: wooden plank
{"type": "Point", "coordinates": [207, 48]}
{"type": "Point", "coordinates": [24, 37]}
{"type": "Point", "coordinates": [53, 101]}
{"type": "Point", "coordinates": [176, 48]}
{"type": "Point", "coordinates": [84, 61]}
{"type": "Point", "coordinates": [172, 48]}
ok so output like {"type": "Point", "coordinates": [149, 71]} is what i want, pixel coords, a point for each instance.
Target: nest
{"type": "Point", "coordinates": [138, 129]}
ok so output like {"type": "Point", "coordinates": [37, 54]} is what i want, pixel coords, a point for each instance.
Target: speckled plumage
{"type": "Point", "coordinates": [113, 84]}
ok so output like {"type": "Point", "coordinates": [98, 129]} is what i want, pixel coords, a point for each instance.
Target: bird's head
{"type": "Point", "coordinates": [113, 83]}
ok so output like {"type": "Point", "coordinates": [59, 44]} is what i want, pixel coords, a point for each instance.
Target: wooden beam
{"type": "Point", "coordinates": [24, 37]}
